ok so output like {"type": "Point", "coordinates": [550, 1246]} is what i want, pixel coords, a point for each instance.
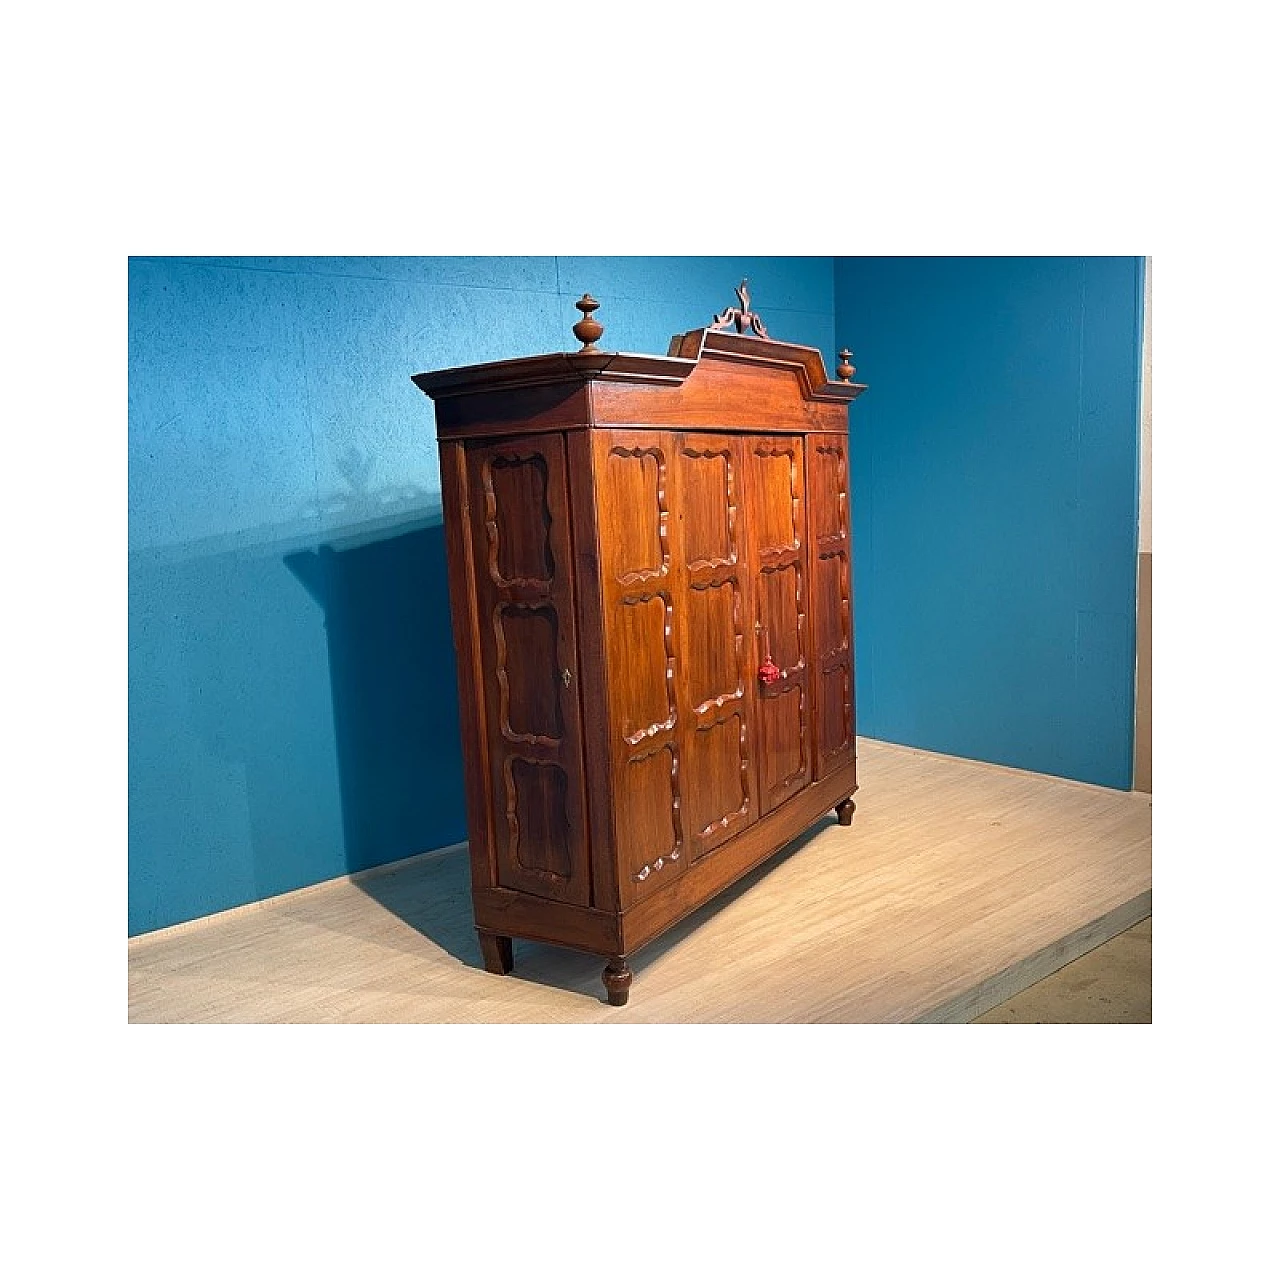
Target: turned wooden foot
{"type": "Point", "coordinates": [496, 950]}
{"type": "Point", "coordinates": [844, 812]}
{"type": "Point", "coordinates": [617, 980]}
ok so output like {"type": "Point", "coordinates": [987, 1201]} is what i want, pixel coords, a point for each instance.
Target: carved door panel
{"type": "Point", "coordinates": [777, 548]}
{"type": "Point", "coordinates": [633, 476]}
{"type": "Point", "coordinates": [518, 497]}
{"type": "Point", "coordinates": [831, 619]}
{"type": "Point", "coordinates": [714, 694]}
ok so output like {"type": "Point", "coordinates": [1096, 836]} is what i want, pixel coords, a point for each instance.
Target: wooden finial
{"type": "Point", "coordinates": [588, 330]}
{"type": "Point", "coordinates": [844, 370]}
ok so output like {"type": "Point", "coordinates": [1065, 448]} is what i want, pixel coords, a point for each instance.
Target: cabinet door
{"type": "Point", "coordinates": [776, 547]}
{"type": "Point", "coordinates": [632, 472]}
{"type": "Point", "coordinates": [827, 482]}
{"type": "Point", "coordinates": [518, 498]}
{"type": "Point", "coordinates": [714, 695]}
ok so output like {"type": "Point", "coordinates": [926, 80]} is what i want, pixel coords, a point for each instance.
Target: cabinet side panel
{"type": "Point", "coordinates": [466, 643]}
{"type": "Point", "coordinates": [593, 686]}
{"type": "Point", "coordinates": [523, 565]}
{"type": "Point", "coordinates": [633, 506]}
{"type": "Point", "coordinates": [831, 602]}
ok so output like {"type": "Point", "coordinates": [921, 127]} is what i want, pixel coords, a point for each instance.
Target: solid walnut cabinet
{"type": "Point", "coordinates": [649, 563]}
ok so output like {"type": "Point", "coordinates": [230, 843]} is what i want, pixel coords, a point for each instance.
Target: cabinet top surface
{"type": "Point", "coordinates": [746, 353]}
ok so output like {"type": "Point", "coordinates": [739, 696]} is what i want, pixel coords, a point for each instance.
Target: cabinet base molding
{"type": "Point", "coordinates": [732, 860]}
{"type": "Point", "coordinates": [502, 914]}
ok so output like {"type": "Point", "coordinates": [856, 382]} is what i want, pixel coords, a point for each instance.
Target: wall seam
{"type": "Point", "coordinates": [1078, 495]}
{"type": "Point", "coordinates": [307, 404]}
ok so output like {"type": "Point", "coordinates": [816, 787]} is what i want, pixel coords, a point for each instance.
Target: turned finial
{"type": "Point", "coordinates": [588, 330]}
{"type": "Point", "coordinates": [844, 370]}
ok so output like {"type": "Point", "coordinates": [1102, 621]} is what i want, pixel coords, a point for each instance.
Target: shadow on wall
{"type": "Point", "coordinates": [395, 704]}
{"type": "Point", "coordinates": [292, 715]}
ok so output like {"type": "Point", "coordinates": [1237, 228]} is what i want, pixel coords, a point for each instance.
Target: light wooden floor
{"type": "Point", "coordinates": [958, 885]}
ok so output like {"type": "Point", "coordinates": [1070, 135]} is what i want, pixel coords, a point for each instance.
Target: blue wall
{"type": "Point", "coordinates": [995, 464]}
{"type": "Point", "coordinates": [292, 707]}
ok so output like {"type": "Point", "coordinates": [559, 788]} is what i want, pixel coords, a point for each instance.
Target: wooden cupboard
{"type": "Point", "coordinates": [650, 583]}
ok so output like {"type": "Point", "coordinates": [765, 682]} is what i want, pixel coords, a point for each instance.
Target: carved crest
{"type": "Point", "coordinates": [741, 317]}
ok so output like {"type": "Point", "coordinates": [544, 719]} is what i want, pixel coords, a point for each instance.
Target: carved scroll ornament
{"type": "Point", "coordinates": [741, 318]}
